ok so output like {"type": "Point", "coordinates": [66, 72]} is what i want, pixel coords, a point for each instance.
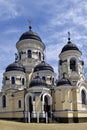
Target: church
{"type": "Point", "coordinates": [30, 91]}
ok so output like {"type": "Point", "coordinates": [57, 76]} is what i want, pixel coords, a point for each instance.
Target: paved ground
{"type": "Point", "coordinates": [8, 125]}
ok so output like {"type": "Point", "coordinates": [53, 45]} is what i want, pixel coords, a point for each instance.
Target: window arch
{"type": "Point", "coordinates": [39, 56]}
{"type": "Point", "coordinates": [73, 64]}
{"type": "Point", "coordinates": [23, 81]}
{"type": "Point", "coordinates": [83, 95]}
{"type": "Point", "coordinates": [53, 81]}
{"type": "Point", "coordinates": [44, 78]}
{"type": "Point", "coordinates": [13, 80]}
{"type": "Point", "coordinates": [29, 54]}
{"type": "Point", "coordinates": [20, 55]}
{"type": "Point", "coordinates": [3, 101]}
{"type": "Point", "coordinates": [19, 103]}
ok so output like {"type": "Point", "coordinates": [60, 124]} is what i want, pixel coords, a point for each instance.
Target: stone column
{"type": "Point", "coordinates": [33, 111]}
{"type": "Point", "coordinates": [42, 114]}
{"type": "Point", "coordinates": [33, 106]}
{"type": "Point", "coordinates": [42, 107]}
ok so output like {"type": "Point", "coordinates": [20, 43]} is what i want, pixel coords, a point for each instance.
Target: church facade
{"type": "Point", "coordinates": [30, 91]}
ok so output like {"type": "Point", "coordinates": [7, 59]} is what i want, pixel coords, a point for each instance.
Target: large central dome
{"type": "Point", "coordinates": [30, 35]}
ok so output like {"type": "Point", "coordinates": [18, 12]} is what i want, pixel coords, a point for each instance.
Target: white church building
{"type": "Point", "coordinates": [30, 92]}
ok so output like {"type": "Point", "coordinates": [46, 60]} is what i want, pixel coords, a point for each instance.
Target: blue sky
{"type": "Point", "coordinates": [51, 19]}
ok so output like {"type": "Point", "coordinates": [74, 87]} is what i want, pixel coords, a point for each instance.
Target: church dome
{"type": "Point", "coordinates": [70, 46]}
{"type": "Point", "coordinates": [30, 35]}
{"type": "Point", "coordinates": [63, 81]}
{"type": "Point", "coordinates": [43, 66]}
{"type": "Point", "coordinates": [37, 81]}
{"type": "Point", "coordinates": [15, 67]}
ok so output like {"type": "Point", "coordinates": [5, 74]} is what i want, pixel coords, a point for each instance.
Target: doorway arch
{"type": "Point", "coordinates": [47, 103]}
{"type": "Point", "coordinates": [29, 102]}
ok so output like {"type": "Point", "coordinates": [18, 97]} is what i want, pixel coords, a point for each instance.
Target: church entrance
{"type": "Point", "coordinates": [28, 106]}
{"type": "Point", "coordinates": [47, 106]}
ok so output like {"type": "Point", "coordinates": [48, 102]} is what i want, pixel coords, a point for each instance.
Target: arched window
{"type": "Point", "coordinates": [83, 94]}
{"type": "Point", "coordinates": [44, 78]}
{"type": "Point", "coordinates": [23, 81]}
{"type": "Point", "coordinates": [20, 55]}
{"type": "Point", "coordinates": [19, 103]}
{"type": "Point", "coordinates": [73, 64]}
{"type": "Point", "coordinates": [53, 81]}
{"type": "Point", "coordinates": [3, 101]}
{"type": "Point", "coordinates": [39, 56]}
{"type": "Point", "coordinates": [29, 54]}
{"type": "Point", "coordinates": [13, 80]}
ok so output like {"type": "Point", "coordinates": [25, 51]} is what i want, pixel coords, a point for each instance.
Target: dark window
{"type": "Point", "coordinates": [39, 56]}
{"type": "Point", "coordinates": [50, 79]}
{"type": "Point", "coordinates": [29, 54]}
{"type": "Point", "coordinates": [23, 81]}
{"type": "Point", "coordinates": [73, 64]}
{"type": "Point", "coordinates": [53, 81]}
{"type": "Point", "coordinates": [83, 94]}
{"type": "Point", "coordinates": [3, 101]}
{"type": "Point", "coordinates": [19, 104]}
{"type": "Point", "coordinates": [13, 80]}
{"type": "Point", "coordinates": [46, 105]}
{"type": "Point", "coordinates": [20, 55]}
{"type": "Point", "coordinates": [44, 78]}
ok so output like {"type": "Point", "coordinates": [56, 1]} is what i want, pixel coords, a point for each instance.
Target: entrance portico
{"type": "Point", "coordinates": [44, 102]}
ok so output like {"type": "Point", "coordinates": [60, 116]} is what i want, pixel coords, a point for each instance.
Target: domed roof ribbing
{"type": "Point", "coordinates": [15, 67]}
{"type": "Point", "coordinates": [70, 46]}
{"type": "Point", "coordinates": [43, 66]}
{"type": "Point", "coordinates": [30, 35]}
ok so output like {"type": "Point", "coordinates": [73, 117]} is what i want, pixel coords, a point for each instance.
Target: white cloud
{"type": "Point", "coordinates": [9, 9]}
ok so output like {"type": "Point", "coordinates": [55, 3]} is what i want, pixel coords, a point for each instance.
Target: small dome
{"type": "Point", "coordinates": [43, 66]}
{"type": "Point", "coordinates": [30, 35]}
{"type": "Point", "coordinates": [37, 81]}
{"type": "Point", "coordinates": [70, 46]}
{"type": "Point", "coordinates": [15, 67]}
{"type": "Point", "coordinates": [63, 81]}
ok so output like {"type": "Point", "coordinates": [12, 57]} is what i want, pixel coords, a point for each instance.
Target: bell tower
{"type": "Point", "coordinates": [70, 62]}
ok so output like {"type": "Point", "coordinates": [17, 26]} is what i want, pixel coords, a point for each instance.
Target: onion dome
{"type": "Point", "coordinates": [37, 81]}
{"type": "Point", "coordinates": [70, 46]}
{"type": "Point", "coordinates": [15, 67]}
{"type": "Point", "coordinates": [30, 35]}
{"type": "Point", "coordinates": [63, 81]}
{"type": "Point", "coordinates": [43, 66]}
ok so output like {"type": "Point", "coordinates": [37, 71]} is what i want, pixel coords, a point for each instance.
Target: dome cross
{"type": "Point", "coordinates": [30, 23]}
{"type": "Point", "coordinates": [68, 37]}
